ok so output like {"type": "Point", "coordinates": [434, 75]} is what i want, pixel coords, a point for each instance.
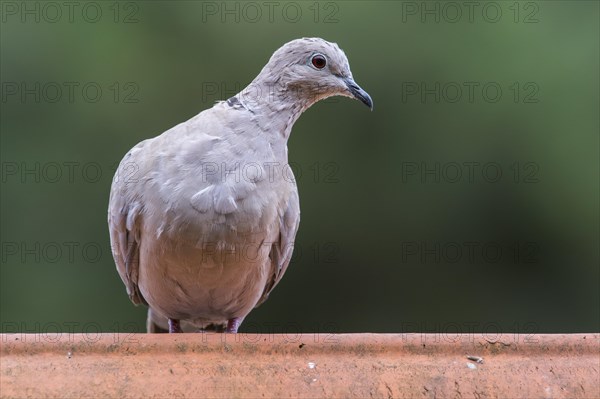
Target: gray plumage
{"type": "Point", "coordinates": [203, 218]}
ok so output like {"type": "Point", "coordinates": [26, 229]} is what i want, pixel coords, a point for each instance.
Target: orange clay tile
{"type": "Point", "coordinates": [305, 366]}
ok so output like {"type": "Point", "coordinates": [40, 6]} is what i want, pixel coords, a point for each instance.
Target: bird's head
{"type": "Point", "coordinates": [311, 69]}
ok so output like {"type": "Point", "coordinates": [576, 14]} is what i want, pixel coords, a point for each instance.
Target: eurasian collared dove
{"type": "Point", "coordinates": [203, 218]}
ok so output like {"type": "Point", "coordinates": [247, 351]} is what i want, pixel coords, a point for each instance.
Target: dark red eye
{"type": "Point", "coordinates": [319, 61]}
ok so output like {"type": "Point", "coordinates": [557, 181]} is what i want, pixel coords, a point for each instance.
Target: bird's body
{"type": "Point", "coordinates": [209, 221]}
{"type": "Point", "coordinates": [203, 218]}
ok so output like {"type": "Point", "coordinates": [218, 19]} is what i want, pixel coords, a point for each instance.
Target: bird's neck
{"type": "Point", "coordinates": [275, 107]}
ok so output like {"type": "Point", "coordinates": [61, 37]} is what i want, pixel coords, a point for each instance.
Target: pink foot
{"type": "Point", "coordinates": [174, 326]}
{"type": "Point", "coordinates": [233, 325]}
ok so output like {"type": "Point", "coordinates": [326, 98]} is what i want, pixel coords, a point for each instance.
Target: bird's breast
{"type": "Point", "coordinates": [220, 209]}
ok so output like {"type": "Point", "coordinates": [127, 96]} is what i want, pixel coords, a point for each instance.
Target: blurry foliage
{"type": "Point", "coordinates": [396, 231]}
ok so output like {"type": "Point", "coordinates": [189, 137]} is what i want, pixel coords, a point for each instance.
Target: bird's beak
{"type": "Point", "coordinates": [358, 92]}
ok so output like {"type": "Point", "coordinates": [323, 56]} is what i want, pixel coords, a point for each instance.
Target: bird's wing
{"type": "Point", "coordinates": [123, 221]}
{"type": "Point", "coordinates": [282, 249]}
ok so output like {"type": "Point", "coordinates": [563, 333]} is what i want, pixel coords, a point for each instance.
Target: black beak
{"type": "Point", "coordinates": [358, 92]}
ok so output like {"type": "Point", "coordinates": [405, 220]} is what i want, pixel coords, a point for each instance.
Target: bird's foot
{"type": "Point", "coordinates": [233, 325]}
{"type": "Point", "coordinates": [174, 326]}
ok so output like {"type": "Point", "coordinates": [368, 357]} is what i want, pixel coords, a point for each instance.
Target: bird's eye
{"type": "Point", "coordinates": [319, 61]}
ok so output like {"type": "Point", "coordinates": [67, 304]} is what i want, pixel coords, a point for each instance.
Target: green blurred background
{"type": "Point", "coordinates": [397, 234]}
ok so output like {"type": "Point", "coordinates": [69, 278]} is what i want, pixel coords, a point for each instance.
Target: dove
{"type": "Point", "coordinates": [203, 217]}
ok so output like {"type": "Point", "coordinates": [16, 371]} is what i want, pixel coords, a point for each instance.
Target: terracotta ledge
{"type": "Point", "coordinates": [307, 365]}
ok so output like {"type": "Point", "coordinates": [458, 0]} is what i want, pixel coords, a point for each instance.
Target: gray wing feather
{"type": "Point", "coordinates": [123, 221]}
{"type": "Point", "coordinates": [282, 249]}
